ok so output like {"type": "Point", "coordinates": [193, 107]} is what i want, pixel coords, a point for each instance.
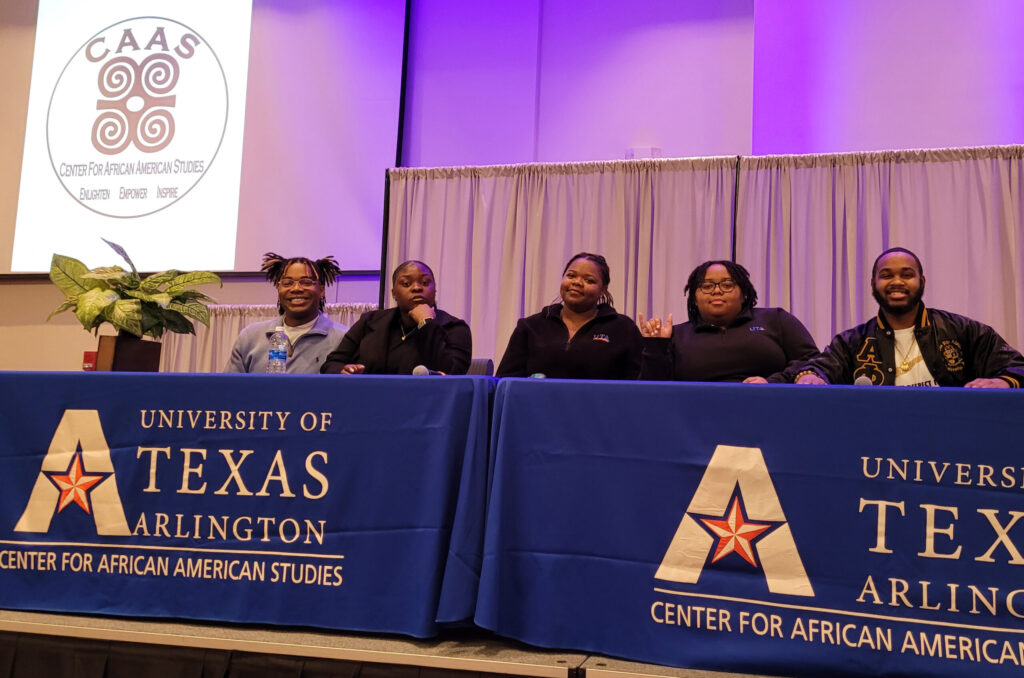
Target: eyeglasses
{"type": "Point", "coordinates": [707, 287]}
{"type": "Point", "coordinates": [304, 283]}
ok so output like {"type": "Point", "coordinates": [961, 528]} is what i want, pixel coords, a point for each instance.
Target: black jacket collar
{"type": "Point", "coordinates": [920, 320]}
{"type": "Point", "coordinates": [554, 311]}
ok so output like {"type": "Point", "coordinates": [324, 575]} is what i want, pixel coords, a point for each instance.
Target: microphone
{"type": "Point", "coordinates": [423, 370]}
{"type": "Point", "coordinates": [862, 381]}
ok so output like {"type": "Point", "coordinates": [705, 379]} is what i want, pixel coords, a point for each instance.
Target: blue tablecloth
{"type": "Point", "coordinates": [762, 529]}
{"type": "Point", "coordinates": [347, 503]}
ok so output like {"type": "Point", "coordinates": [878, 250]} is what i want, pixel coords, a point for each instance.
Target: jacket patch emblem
{"type": "Point", "coordinates": [602, 337]}
{"type": "Point", "coordinates": [868, 363]}
{"type": "Point", "coordinates": [952, 353]}
{"type": "Point", "coordinates": [756, 328]}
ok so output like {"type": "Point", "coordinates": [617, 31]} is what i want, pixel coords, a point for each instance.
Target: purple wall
{"type": "Point", "coordinates": [875, 74]}
{"type": "Point", "coordinates": [567, 80]}
{"type": "Point", "coordinates": [472, 81]}
{"type": "Point", "coordinates": [321, 127]}
{"type": "Point", "coordinates": [664, 73]}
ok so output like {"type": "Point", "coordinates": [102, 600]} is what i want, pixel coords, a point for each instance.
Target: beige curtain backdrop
{"type": "Point", "coordinates": [498, 237]}
{"type": "Point", "coordinates": [809, 228]}
{"type": "Point", "coordinates": [210, 348]}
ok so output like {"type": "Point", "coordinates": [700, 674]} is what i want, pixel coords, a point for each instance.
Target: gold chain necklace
{"type": "Point", "coordinates": [905, 364]}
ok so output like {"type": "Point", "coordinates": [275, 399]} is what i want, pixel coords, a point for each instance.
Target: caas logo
{"type": "Point", "coordinates": [136, 104]}
{"type": "Point", "coordinates": [736, 502]}
{"type": "Point", "coordinates": [76, 472]}
{"type": "Point", "coordinates": [137, 116]}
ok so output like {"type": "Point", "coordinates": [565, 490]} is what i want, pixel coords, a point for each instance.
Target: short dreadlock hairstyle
{"type": "Point", "coordinates": [324, 271]}
{"type": "Point", "coordinates": [736, 272]}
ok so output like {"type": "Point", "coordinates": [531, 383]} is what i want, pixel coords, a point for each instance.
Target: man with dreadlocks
{"type": "Point", "coordinates": [300, 285]}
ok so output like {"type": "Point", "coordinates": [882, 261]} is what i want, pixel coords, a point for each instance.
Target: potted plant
{"type": "Point", "coordinates": [137, 307]}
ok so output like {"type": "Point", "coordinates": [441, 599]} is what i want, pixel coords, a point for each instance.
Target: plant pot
{"type": "Point", "coordinates": [127, 353]}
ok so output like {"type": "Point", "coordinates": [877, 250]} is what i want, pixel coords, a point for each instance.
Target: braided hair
{"type": "Point", "coordinates": [324, 271]}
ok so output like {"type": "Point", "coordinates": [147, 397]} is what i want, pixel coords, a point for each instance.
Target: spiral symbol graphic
{"type": "Point", "coordinates": [159, 74]}
{"type": "Point", "coordinates": [110, 133]}
{"type": "Point", "coordinates": [117, 77]}
{"type": "Point", "coordinates": [135, 104]}
{"type": "Point", "coordinates": [155, 130]}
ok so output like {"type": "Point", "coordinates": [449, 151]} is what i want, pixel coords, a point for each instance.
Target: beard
{"type": "Point", "coordinates": [910, 304]}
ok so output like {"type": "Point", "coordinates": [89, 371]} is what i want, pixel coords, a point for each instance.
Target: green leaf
{"type": "Point", "coordinates": [191, 309]}
{"type": "Point", "coordinates": [68, 303]}
{"type": "Point", "coordinates": [176, 322]}
{"type": "Point", "coordinates": [153, 282]}
{"type": "Point", "coordinates": [107, 273]}
{"type": "Point", "coordinates": [190, 295]}
{"type": "Point", "coordinates": [125, 314]}
{"type": "Point", "coordinates": [120, 250]}
{"type": "Point", "coordinates": [66, 273]}
{"type": "Point", "coordinates": [161, 299]}
{"type": "Point", "coordinates": [178, 284]}
{"type": "Point", "coordinates": [152, 321]}
{"type": "Point", "coordinates": [93, 303]}
{"type": "Point", "coordinates": [156, 320]}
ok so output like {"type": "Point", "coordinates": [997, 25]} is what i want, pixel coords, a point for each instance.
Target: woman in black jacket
{"type": "Point", "coordinates": [581, 338]}
{"type": "Point", "coordinates": [727, 338]}
{"type": "Point", "coordinates": [416, 332]}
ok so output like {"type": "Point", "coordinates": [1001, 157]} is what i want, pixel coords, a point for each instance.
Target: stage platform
{"type": "Point", "coordinates": [605, 667]}
{"type": "Point", "coordinates": [106, 646]}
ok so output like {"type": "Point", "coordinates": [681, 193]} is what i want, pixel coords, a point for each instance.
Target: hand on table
{"type": "Point", "coordinates": [987, 383]}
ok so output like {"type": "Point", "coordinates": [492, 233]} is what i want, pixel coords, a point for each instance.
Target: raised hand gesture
{"type": "Point", "coordinates": [654, 327]}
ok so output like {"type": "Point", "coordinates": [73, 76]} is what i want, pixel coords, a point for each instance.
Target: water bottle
{"type": "Point", "coordinates": [277, 357]}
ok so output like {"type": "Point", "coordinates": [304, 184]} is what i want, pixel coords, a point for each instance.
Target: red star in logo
{"type": "Point", "coordinates": [74, 485]}
{"type": "Point", "coordinates": [734, 533]}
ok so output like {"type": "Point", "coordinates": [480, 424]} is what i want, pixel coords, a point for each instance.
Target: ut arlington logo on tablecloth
{"type": "Point", "coordinates": [142, 496]}
{"type": "Point", "coordinates": [77, 469]}
{"type": "Point", "coordinates": [735, 507]}
{"type": "Point", "coordinates": [923, 570]}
